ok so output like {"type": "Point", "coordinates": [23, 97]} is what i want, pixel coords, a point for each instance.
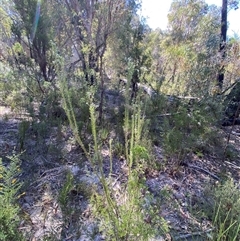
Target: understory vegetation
{"type": "Point", "coordinates": [105, 107]}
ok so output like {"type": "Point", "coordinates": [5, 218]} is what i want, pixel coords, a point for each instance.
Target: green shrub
{"type": "Point", "coordinates": [22, 131]}
{"type": "Point", "coordinates": [190, 129]}
{"type": "Point", "coordinates": [126, 217]}
{"type": "Point", "coordinates": [63, 196]}
{"type": "Point", "coordinates": [226, 213]}
{"type": "Point", "coordinates": [123, 214]}
{"type": "Point", "coordinates": [9, 193]}
{"type": "Point", "coordinates": [121, 218]}
{"type": "Point", "coordinates": [40, 130]}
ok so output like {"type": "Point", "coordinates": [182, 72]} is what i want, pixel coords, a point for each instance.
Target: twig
{"type": "Point", "coordinates": [236, 134]}
{"type": "Point", "coordinates": [188, 98]}
{"type": "Point", "coordinates": [202, 170]}
{"type": "Point", "coordinates": [231, 86]}
{"type": "Point", "coordinates": [232, 165]}
{"type": "Point", "coordinates": [48, 174]}
{"type": "Point", "coordinates": [167, 114]}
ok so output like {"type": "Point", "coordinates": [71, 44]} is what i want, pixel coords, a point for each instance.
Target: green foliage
{"type": "Point", "coordinates": [17, 48]}
{"type": "Point", "coordinates": [191, 129]}
{"type": "Point", "coordinates": [181, 60]}
{"type": "Point", "coordinates": [63, 196]}
{"type": "Point", "coordinates": [22, 130]}
{"type": "Point", "coordinates": [231, 153]}
{"type": "Point", "coordinates": [118, 149]}
{"type": "Point", "coordinates": [127, 220]}
{"type": "Point", "coordinates": [50, 110]}
{"type": "Point", "coordinates": [72, 114]}
{"type": "Point", "coordinates": [14, 100]}
{"type": "Point", "coordinates": [123, 215]}
{"type": "Point", "coordinates": [85, 189]}
{"type": "Point", "coordinates": [226, 213]}
{"type": "Point", "coordinates": [5, 21]}
{"type": "Point", "coordinates": [40, 130]}
{"type": "Point", "coordinates": [9, 192]}
{"type": "Point", "coordinates": [18, 90]}
{"type": "Point", "coordinates": [190, 54]}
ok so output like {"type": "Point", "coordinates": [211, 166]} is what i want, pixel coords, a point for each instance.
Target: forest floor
{"type": "Point", "coordinates": [182, 191]}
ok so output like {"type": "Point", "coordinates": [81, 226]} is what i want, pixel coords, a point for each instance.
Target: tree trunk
{"type": "Point", "coordinates": [135, 81]}
{"type": "Point", "coordinates": [222, 48]}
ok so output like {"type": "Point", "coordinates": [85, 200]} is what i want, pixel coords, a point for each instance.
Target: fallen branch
{"type": "Point", "coordinates": [232, 165]}
{"type": "Point", "coordinates": [235, 133]}
{"type": "Point", "coordinates": [201, 170]}
{"type": "Point", "coordinates": [169, 114]}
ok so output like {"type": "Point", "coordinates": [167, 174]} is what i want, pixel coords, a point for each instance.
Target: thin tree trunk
{"type": "Point", "coordinates": [222, 48]}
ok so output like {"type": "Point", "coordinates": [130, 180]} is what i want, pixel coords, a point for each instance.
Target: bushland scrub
{"type": "Point", "coordinates": [122, 214]}
{"type": "Point", "coordinates": [122, 132]}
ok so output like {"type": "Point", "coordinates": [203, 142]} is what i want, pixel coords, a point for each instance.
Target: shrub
{"type": "Point", "coordinates": [190, 129]}
{"type": "Point", "coordinates": [9, 192]}
{"type": "Point", "coordinates": [65, 190]}
{"type": "Point", "coordinates": [226, 213]}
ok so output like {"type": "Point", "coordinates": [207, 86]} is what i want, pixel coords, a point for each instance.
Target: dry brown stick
{"type": "Point", "coordinates": [202, 170]}
{"type": "Point", "coordinates": [232, 165]}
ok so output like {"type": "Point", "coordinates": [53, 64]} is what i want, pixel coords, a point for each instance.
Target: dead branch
{"type": "Point", "coordinates": [201, 170]}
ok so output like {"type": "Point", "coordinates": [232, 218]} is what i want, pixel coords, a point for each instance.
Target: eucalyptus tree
{"type": "Point", "coordinates": [222, 49]}
{"type": "Point", "coordinates": [92, 23]}
{"type": "Point", "coordinates": [5, 33]}
{"type": "Point", "coordinates": [36, 31]}
{"type": "Point", "coordinates": [127, 55]}
{"type": "Point", "coordinates": [191, 47]}
{"type": "Point", "coordinates": [158, 60]}
{"type": "Point", "coordinates": [226, 6]}
{"type": "Point", "coordinates": [5, 29]}
{"type": "Point", "coordinates": [32, 52]}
